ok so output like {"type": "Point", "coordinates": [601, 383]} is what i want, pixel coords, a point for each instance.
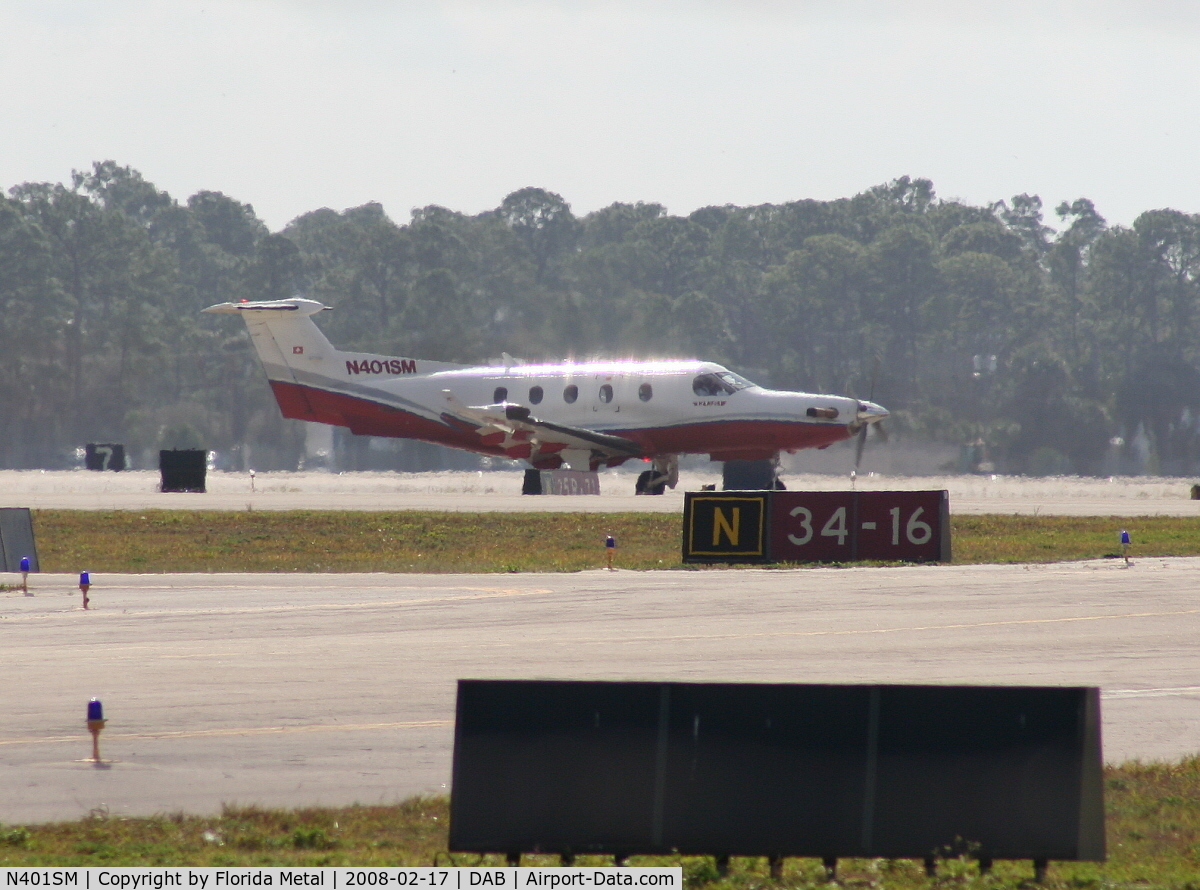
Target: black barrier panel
{"type": "Point", "coordinates": [748, 475]}
{"type": "Point", "coordinates": [777, 770]}
{"type": "Point", "coordinates": [16, 539]}
{"type": "Point", "coordinates": [182, 470]}
{"type": "Point", "coordinates": [1010, 766]}
{"type": "Point", "coordinates": [104, 457]}
{"type": "Point", "coordinates": [532, 483]}
{"type": "Point", "coordinates": [757, 768]}
{"type": "Point", "coordinates": [580, 777]}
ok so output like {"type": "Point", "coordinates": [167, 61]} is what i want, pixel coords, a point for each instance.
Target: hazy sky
{"type": "Point", "coordinates": [292, 106]}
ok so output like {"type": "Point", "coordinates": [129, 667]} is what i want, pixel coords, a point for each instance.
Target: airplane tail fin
{"type": "Point", "coordinates": [283, 335]}
{"type": "Point", "coordinates": [301, 364]}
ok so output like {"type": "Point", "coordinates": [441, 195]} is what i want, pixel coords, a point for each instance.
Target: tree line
{"type": "Point", "coordinates": [1047, 340]}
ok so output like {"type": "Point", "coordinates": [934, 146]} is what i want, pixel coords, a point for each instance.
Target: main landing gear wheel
{"type": "Point", "coordinates": [646, 483]}
{"type": "Point", "coordinates": [663, 474]}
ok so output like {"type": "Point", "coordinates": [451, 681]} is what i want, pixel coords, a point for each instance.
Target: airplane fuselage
{"type": "Point", "coordinates": [608, 411]}
{"type": "Point", "coordinates": [653, 404]}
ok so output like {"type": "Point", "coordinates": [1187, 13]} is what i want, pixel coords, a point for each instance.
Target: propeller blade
{"type": "Point", "coordinates": [869, 414]}
{"type": "Point", "coordinates": [882, 433]}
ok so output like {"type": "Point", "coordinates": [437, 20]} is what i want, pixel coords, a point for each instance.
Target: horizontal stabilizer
{"type": "Point", "coordinates": [297, 305]}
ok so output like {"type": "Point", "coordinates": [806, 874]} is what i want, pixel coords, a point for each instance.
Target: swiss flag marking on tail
{"type": "Point", "coordinates": [297, 350]}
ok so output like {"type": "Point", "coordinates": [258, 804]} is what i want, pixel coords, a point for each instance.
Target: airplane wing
{"type": "Point", "coordinates": [523, 436]}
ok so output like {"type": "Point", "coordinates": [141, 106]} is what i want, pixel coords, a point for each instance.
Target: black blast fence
{"type": "Point", "coordinates": [16, 539]}
{"type": "Point", "coordinates": [183, 470]}
{"type": "Point", "coordinates": [741, 769]}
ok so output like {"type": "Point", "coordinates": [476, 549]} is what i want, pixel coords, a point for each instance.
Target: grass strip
{"type": "Point", "coordinates": [151, 541]}
{"type": "Point", "coordinates": [1153, 825]}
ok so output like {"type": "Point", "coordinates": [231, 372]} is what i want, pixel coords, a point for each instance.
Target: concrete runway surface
{"type": "Point", "coordinates": [499, 490]}
{"type": "Point", "coordinates": [290, 690]}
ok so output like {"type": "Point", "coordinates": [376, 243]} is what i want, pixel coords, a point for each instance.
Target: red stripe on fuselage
{"type": "Point", "coordinates": [742, 439]}
{"type": "Point", "coordinates": [367, 418]}
{"type": "Point", "coordinates": [728, 438]}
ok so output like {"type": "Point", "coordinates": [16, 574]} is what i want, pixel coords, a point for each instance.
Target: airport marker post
{"type": "Point", "coordinates": [25, 575]}
{"type": "Point", "coordinates": [95, 723]}
{"type": "Point", "coordinates": [85, 584]}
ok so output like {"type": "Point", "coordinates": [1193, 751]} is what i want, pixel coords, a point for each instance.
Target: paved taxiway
{"type": "Point", "coordinates": [305, 689]}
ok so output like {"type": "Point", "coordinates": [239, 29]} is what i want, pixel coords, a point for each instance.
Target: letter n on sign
{"type": "Point", "coordinates": [724, 527]}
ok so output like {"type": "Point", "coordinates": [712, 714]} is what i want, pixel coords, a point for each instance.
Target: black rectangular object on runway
{"type": "Point", "coordinates": [748, 769]}
{"type": "Point", "coordinates": [183, 470]}
{"type": "Point", "coordinates": [16, 539]}
{"type": "Point", "coordinates": [104, 456]}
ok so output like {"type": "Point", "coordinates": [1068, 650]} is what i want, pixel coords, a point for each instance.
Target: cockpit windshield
{"type": "Point", "coordinates": [719, 383]}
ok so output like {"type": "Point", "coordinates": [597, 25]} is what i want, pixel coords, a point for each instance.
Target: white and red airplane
{"type": "Point", "coordinates": [575, 415]}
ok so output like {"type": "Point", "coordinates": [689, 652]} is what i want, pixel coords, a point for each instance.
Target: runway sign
{"type": "Point", "coordinates": [570, 482]}
{"type": "Point", "coordinates": [561, 482]}
{"type": "Point", "coordinates": [747, 769]}
{"type": "Point", "coordinates": [725, 527]}
{"type": "Point", "coordinates": [104, 457]}
{"type": "Point", "coordinates": [816, 526]}
{"type": "Point", "coordinates": [16, 539]}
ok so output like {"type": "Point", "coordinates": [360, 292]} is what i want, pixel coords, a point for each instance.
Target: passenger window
{"type": "Point", "coordinates": [499, 395]}
{"type": "Point", "coordinates": [570, 394]}
{"type": "Point", "coordinates": [535, 395]}
{"type": "Point", "coordinates": [645, 392]}
{"type": "Point", "coordinates": [606, 393]}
